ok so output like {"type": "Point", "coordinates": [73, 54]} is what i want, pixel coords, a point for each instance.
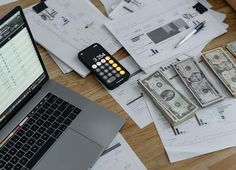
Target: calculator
{"type": "Point", "coordinates": [105, 67]}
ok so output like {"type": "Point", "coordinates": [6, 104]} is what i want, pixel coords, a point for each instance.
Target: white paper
{"type": "Point", "coordinates": [130, 90]}
{"type": "Point", "coordinates": [110, 4]}
{"type": "Point", "coordinates": [63, 67]}
{"type": "Point", "coordinates": [119, 156]}
{"type": "Point", "coordinates": [192, 53]}
{"type": "Point", "coordinates": [4, 2]}
{"type": "Point", "coordinates": [217, 15]}
{"type": "Point", "coordinates": [141, 34]}
{"type": "Point", "coordinates": [67, 27]}
{"type": "Point", "coordinates": [130, 96]}
{"type": "Point", "coordinates": [213, 128]}
{"type": "Point", "coordinates": [127, 7]}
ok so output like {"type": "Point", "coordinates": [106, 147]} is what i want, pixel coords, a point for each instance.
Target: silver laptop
{"type": "Point", "coordinates": [44, 126]}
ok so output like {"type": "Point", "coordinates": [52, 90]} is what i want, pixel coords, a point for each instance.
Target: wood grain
{"type": "Point", "coordinates": [145, 142]}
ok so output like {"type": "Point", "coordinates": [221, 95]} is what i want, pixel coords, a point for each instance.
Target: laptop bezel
{"type": "Point", "coordinates": [46, 78]}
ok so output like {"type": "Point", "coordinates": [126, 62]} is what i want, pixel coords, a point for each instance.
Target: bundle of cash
{"type": "Point", "coordinates": [223, 67]}
{"type": "Point", "coordinates": [232, 48]}
{"type": "Point", "coordinates": [197, 82]}
{"type": "Point", "coordinates": [174, 106]}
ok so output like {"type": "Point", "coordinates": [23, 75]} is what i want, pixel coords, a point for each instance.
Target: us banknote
{"type": "Point", "coordinates": [197, 82]}
{"type": "Point", "coordinates": [223, 67]}
{"type": "Point", "coordinates": [174, 106]}
{"type": "Point", "coordinates": [232, 47]}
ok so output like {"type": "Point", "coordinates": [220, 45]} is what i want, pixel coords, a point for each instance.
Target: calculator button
{"type": "Point", "coordinates": [103, 60]}
{"type": "Point", "coordinates": [101, 74]}
{"type": "Point", "coordinates": [111, 61]}
{"type": "Point", "coordinates": [99, 63]}
{"type": "Point", "coordinates": [118, 75]}
{"type": "Point", "coordinates": [110, 68]}
{"type": "Point", "coordinates": [122, 72]}
{"type": "Point", "coordinates": [105, 71]}
{"type": "Point", "coordinates": [105, 77]}
{"type": "Point", "coordinates": [118, 68]}
{"type": "Point", "coordinates": [114, 71]}
{"type": "Point", "coordinates": [114, 65]}
{"type": "Point", "coordinates": [107, 58]}
{"type": "Point", "coordinates": [111, 79]}
{"type": "Point", "coordinates": [94, 66]}
{"type": "Point", "coordinates": [106, 64]}
{"type": "Point", "coordinates": [98, 70]}
{"type": "Point", "coordinates": [102, 67]}
{"type": "Point", "coordinates": [109, 74]}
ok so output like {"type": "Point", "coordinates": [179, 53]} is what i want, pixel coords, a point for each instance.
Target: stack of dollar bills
{"type": "Point", "coordinates": [175, 107]}
{"type": "Point", "coordinates": [197, 82]}
{"type": "Point", "coordinates": [223, 67]}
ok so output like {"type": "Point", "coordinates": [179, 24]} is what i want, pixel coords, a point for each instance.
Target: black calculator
{"type": "Point", "coordinates": [107, 69]}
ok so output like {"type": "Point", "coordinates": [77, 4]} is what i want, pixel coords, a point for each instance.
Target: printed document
{"type": "Point", "coordinates": [126, 7]}
{"type": "Point", "coordinates": [67, 27]}
{"type": "Point", "coordinates": [213, 128]}
{"type": "Point", "coordinates": [119, 156]}
{"type": "Point", "coordinates": [63, 67]}
{"type": "Point", "coordinates": [151, 38]}
{"type": "Point", "coordinates": [130, 96]}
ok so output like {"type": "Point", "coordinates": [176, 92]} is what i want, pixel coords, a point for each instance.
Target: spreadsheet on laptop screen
{"type": "Point", "coordinates": [20, 66]}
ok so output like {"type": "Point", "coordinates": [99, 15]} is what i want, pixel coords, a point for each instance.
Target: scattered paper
{"type": "Point", "coordinates": [119, 156]}
{"type": "Point", "coordinates": [126, 7]}
{"type": "Point", "coordinates": [151, 38]}
{"type": "Point", "coordinates": [213, 128]}
{"type": "Point", "coordinates": [67, 27]}
{"type": "Point", "coordinates": [130, 96]}
{"type": "Point", "coordinates": [63, 67]}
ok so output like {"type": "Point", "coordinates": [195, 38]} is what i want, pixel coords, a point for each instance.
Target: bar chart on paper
{"type": "Point", "coordinates": [204, 123]}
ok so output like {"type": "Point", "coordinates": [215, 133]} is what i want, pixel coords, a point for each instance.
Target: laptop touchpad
{"type": "Point", "coordinates": [71, 152]}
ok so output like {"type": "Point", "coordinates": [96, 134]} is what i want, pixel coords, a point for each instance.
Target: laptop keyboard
{"type": "Point", "coordinates": [36, 133]}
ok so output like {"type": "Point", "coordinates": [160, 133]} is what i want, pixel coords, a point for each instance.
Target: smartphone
{"type": "Point", "coordinates": [104, 66]}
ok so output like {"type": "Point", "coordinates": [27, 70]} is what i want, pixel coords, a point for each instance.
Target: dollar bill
{"type": "Point", "coordinates": [232, 48]}
{"type": "Point", "coordinates": [174, 106]}
{"type": "Point", "coordinates": [223, 67]}
{"type": "Point", "coordinates": [197, 82]}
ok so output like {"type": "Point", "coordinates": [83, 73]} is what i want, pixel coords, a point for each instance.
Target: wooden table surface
{"type": "Point", "coordinates": [145, 142]}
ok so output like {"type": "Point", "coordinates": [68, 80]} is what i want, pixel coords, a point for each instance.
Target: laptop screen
{"type": "Point", "coordinates": [20, 68]}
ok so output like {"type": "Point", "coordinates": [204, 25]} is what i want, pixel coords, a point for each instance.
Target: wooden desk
{"type": "Point", "coordinates": [145, 142]}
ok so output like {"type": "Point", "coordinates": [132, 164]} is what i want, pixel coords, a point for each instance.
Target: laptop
{"type": "Point", "coordinates": [43, 125]}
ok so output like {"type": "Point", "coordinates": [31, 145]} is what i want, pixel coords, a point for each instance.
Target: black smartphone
{"type": "Point", "coordinates": [105, 67]}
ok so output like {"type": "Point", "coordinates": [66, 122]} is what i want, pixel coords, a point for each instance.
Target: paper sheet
{"type": "Point", "coordinates": [127, 7]}
{"type": "Point", "coordinates": [67, 27]}
{"type": "Point", "coordinates": [150, 39]}
{"type": "Point", "coordinates": [63, 67]}
{"type": "Point", "coordinates": [130, 96]}
{"type": "Point", "coordinates": [4, 2]}
{"type": "Point", "coordinates": [119, 156]}
{"type": "Point", "coordinates": [213, 128]}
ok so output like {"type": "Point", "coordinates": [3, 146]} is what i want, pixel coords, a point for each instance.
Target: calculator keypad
{"type": "Point", "coordinates": [108, 69]}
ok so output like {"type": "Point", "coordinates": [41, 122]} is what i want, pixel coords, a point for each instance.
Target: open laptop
{"type": "Point", "coordinates": [44, 126]}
